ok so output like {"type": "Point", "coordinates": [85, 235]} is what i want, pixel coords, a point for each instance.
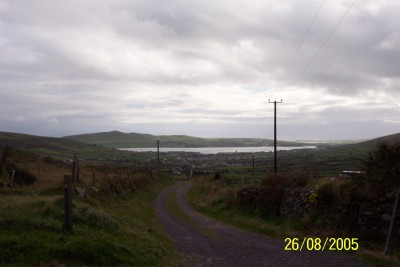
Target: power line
{"type": "Point", "coordinates": [302, 41]}
{"type": "Point", "coordinates": [325, 42]}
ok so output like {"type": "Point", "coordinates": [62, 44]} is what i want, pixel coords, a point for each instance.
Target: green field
{"type": "Point", "coordinates": [114, 225]}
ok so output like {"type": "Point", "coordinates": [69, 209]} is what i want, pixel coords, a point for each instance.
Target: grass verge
{"type": "Point", "coordinates": [108, 231]}
{"type": "Point", "coordinates": [214, 206]}
{"type": "Point", "coordinates": [212, 200]}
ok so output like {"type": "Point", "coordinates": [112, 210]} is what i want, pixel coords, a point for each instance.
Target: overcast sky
{"type": "Point", "coordinates": [201, 68]}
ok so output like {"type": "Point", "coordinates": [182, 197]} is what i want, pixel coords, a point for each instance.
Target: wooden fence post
{"type": "Point", "coordinates": [93, 178]}
{"type": "Point", "coordinates": [39, 175]}
{"type": "Point", "coordinates": [12, 177]}
{"type": "Point", "coordinates": [73, 168]}
{"type": "Point", "coordinates": [3, 159]}
{"type": "Point", "coordinates": [77, 170]}
{"type": "Point", "coordinates": [191, 172]}
{"type": "Point", "coordinates": [106, 172]}
{"type": "Point", "coordinates": [68, 202]}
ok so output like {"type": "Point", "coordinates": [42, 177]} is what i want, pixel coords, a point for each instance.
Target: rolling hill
{"type": "Point", "coordinates": [56, 147]}
{"type": "Point", "coordinates": [99, 145]}
{"type": "Point", "coordinates": [362, 148]}
{"type": "Point", "coordinates": [393, 138]}
{"type": "Point", "coordinates": [116, 139]}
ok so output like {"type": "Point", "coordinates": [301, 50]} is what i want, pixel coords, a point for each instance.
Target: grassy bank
{"type": "Point", "coordinates": [212, 200]}
{"type": "Point", "coordinates": [113, 226]}
{"type": "Point", "coordinates": [220, 202]}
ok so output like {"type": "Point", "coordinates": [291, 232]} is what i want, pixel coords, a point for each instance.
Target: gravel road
{"type": "Point", "coordinates": [208, 242]}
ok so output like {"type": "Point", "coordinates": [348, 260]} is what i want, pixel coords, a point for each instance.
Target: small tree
{"type": "Point", "coordinates": [383, 164]}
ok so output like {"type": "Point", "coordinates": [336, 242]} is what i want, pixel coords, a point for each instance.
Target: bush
{"type": "Point", "coordinates": [336, 206]}
{"type": "Point", "coordinates": [92, 216]}
{"type": "Point", "coordinates": [217, 175]}
{"type": "Point", "coordinates": [116, 185]}
{"type": "Point", "coordinates": [326, 198]}
{"type": "Point", "coordinates": [21, 176]}
{"type": "Point", "coordinates": [383, 165]}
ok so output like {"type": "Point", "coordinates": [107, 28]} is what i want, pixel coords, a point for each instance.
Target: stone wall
{"type": "Point", "coordinates": [369, 217]}
{"type": "Point", "coordinates": [374, 216]}
{"type": "Point", "coordinates": [295, 203]}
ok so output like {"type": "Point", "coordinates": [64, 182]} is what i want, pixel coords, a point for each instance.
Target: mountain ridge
{"type": "Point", "coordinates": [117, 139]}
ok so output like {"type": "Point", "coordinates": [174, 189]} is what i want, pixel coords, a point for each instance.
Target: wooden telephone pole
{"type": "Point", "coordinates": [158, 157]}
{"type": "Point", "coordinates": [275, 155]}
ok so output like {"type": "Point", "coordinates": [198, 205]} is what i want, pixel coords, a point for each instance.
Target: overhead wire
{"type": "Point", "coordinates": [325, 42]}
{"type": "Point", "coordinates": [302, 40]}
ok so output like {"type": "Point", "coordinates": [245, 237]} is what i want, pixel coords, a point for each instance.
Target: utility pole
{"type": "Point", "coordinates": [253, 166]}
{"type": "Point", "coordinates": [275, 156]}
{"type": "Point", "coordinates": [158, 157]}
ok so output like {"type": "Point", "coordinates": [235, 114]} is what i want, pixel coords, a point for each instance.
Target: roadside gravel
{"type": "Point", "coordinates": [207, 242]}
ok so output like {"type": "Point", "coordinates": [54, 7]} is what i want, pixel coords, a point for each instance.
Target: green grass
{"type": "Point", "coordinates": [216, 207]}
{"type": "Point", "coordinates": [108, 231]}
{"type": "Point", "coordinates": [204, 197]}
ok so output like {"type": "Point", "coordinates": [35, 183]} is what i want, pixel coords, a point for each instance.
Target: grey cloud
{"type": "Point", "coordinates": [351, 61]}
{"type": "Point", "coordinates": [64, 58]}
{"type": "Point", "coordinates": [338, 130]}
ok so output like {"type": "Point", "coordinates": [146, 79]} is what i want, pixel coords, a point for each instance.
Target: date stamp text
{"type": "Point", "coordinates": [329, 243]}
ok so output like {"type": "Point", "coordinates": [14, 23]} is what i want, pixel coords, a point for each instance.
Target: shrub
{"type": "Point", "coordinates": [117, 185]}
{"type": "Point", "coordinates": [383, 165]}
{"type": "Point", "coordinates": [92, 216]}
{"type": "Point", "coordinates": [335, 206]}
{"type": "Point", "coordinates": [217, 175]}
{"type": "Point", "coordinates": [21, 176]}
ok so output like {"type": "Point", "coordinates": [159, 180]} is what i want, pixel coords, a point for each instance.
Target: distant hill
{"type": "Point", "coordinates": [357, 150]}
{"type": "Point", "coordinates": [369, 145]}
{"type": "Point", "coordinates": [393, 138]}
{"type": "Point", "coordinates": [56, 147]}
{"type": "Point", "coordinates": [98, 145]}
{"type": "Point", "coordinates": [29, 142]}
{"type": "Point", "coordinates": [116, 139]}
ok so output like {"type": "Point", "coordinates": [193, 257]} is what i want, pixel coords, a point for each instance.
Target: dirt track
{"type": "Point", "coordinates": [207, 242]}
